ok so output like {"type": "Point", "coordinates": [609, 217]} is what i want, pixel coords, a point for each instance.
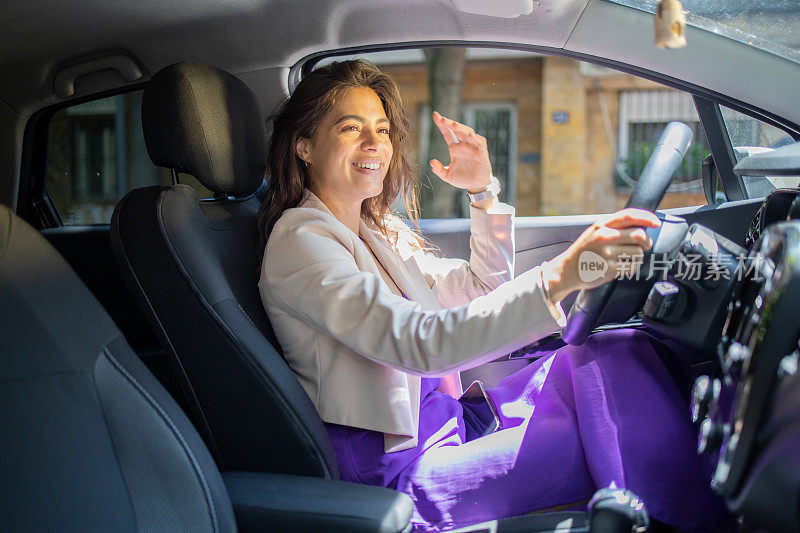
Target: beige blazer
{"type": "Point", "coordinates": [359, 349]}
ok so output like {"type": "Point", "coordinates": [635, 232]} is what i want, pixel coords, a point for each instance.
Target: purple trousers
{"type": "Point", "coordinates": [575, 420]}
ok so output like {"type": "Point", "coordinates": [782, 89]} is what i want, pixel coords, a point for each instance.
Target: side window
{"type": "Point", "coordinates": [748, 136]}
{"type": "Point", "coordinates": [96, 154]}
{"type": "Point", "coordinates": [565, 136]}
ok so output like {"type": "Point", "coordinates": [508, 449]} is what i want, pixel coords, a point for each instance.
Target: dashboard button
{"type": "Point", "coordinates": [700, 396]}
{"type": "Point", "coordinates": [788, 365]}
{"type": "Point", "coordinates": [664, 302]}
{"type": "Point", "coordinates": [711, 434]}
{"type": "Point", "coordinates": [737, 354]}
{"type": "Point", "coordinates": [730, 448]}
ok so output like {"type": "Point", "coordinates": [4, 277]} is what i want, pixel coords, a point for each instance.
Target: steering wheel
{"type": "Point", "coordinates": [647, 194]}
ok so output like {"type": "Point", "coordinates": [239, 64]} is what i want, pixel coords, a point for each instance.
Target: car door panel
{"type": "Point", "coordinates": [88, 251]}
{"type": "Point", "coordinates": [529, 258]}
{"type": "Point", "coordinates": [541, 238]}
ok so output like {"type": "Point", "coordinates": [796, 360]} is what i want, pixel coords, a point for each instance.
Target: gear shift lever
{"type": "Point", "coordinates": [613, 510]}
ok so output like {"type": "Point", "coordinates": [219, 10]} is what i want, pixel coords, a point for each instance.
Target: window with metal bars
{"type": "Point", "coordinates": [497, 121]}
{"type": "Point", "coordinates": [643, 115]}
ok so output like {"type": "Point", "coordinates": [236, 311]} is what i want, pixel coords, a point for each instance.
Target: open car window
{"type": "Point", "coordinates": [565, 136]}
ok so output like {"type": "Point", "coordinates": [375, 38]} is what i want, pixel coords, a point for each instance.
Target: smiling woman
{"type": "Point", "coordinates": [374, 328]}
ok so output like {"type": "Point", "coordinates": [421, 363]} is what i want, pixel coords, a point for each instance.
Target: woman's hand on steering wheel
{"type": "Point", "coordinates": [469, 166]}
{"type": "Point", "coordinates": [611, 247]}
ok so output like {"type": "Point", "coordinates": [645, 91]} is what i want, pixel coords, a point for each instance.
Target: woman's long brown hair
{"type": "Point", "coordinates": [299, 117]}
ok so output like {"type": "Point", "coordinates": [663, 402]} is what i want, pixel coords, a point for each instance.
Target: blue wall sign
{"type": "Point", "coordinates": [561, 117]}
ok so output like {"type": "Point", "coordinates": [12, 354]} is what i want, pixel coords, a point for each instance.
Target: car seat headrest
{"type": "Point", "coordinates": [203, 121]}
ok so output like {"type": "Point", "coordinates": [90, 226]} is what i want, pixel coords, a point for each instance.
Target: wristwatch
{"type": "Point", "coordinates": [492, 190]}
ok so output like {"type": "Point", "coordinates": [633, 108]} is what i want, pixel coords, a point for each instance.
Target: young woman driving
{"type": "Point", "coordinates": [376, 328]}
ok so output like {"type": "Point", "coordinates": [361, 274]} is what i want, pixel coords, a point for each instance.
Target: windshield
{"type": "Point", "coordinates": [771, 25]}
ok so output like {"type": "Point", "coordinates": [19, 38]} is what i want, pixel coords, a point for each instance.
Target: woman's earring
{"type": "Point", "coordinates": [306, 162]}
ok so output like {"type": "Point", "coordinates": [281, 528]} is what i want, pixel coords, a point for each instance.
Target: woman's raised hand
{"type": "Point", "coordinates": [618, 239]}
{"type": "Point", "coordinates": [469, 166]}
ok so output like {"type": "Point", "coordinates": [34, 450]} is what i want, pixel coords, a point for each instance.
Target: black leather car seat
{"type": "Point", "coordinates": [194, 266]}
{"type": "Point", "coordinates": [91, 441]}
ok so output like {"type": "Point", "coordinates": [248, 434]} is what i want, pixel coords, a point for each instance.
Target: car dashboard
{"type": "Point", "coordinates": [749, 410]}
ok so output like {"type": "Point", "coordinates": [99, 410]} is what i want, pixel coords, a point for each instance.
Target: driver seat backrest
{"type": "Point", "coordinates": [90, 440]}
{"type": "Point", "coordinates": [194, 267]}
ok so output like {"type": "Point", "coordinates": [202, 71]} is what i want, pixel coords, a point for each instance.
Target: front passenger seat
{"type": "Point", "coordinates": [91, 441]}
{"type": "Point", "coordinates": [194, 266]}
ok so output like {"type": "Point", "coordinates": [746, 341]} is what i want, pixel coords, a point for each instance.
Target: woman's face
{"type": "Point", "coordinates": [350, 152]}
